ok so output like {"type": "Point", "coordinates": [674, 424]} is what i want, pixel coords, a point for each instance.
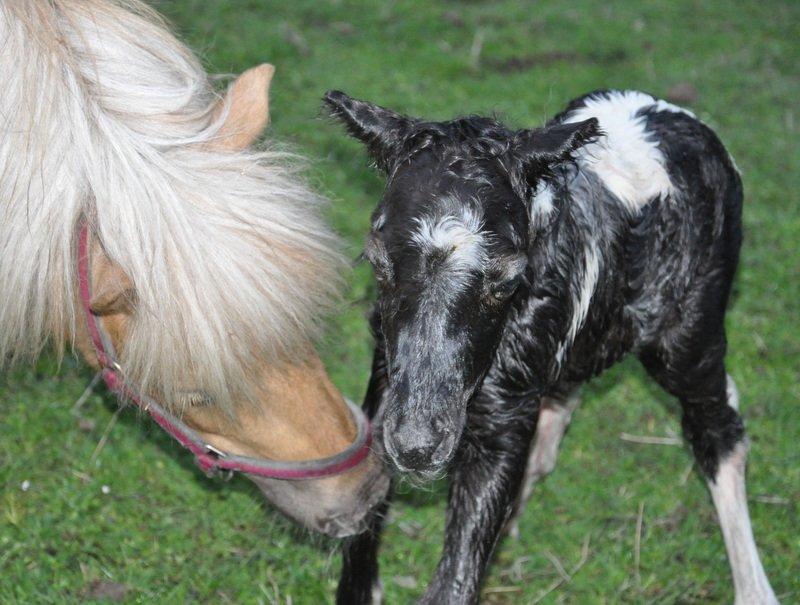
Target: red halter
{"type": "Point", "coordinates": [209, 458]}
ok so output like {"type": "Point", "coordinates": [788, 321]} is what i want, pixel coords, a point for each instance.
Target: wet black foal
{"type": "Point", "coordinates": [514, 266]}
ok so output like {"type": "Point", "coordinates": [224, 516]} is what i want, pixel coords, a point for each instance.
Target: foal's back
{"type": "Point", "coordinates": [656, 207]}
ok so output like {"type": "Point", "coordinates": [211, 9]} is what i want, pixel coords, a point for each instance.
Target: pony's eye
{"type": "Point", "coordinates": [195, 398]}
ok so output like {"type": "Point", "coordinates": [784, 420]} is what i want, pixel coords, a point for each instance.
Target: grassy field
{"type": "Point", "coordinates": [102, 505]}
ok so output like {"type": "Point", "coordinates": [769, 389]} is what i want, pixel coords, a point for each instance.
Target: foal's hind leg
{"type": "Point", "coordinates": [554, 417]}
{"type": "Point", "coordinates": [715, 430]}
{"type": "Point", "coordinates": [730, 499]}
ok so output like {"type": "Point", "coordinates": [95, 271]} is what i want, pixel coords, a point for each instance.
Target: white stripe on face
{"type": "Point", "coordinates": [458, 235]}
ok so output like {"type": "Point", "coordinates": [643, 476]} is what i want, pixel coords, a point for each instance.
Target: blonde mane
{"type": "Point", "coordinates": [104, 114]}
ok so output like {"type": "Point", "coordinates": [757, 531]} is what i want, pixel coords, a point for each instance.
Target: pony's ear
{"type": "Point", "coordinates": [112, 289]}
{"type": "Point", "coordinates": [247, 102]}
{"type": "Point", "coordinates": [542, 148]}
{"type": "Point", "coordinates": [380, 129]}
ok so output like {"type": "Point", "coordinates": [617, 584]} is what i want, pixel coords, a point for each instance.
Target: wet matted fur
{"type": "Point", "coordinates": [514, 266]}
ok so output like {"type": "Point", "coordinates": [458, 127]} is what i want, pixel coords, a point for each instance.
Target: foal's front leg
{"type": "Point", "coordinates": [487, 475]}
{"type": "Point", "coordinates": [359, 583]}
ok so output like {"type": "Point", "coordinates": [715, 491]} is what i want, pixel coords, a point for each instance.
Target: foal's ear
{"type": "Point", "coordinates": [545, 147]}
{"type": "Point", "coordinates": [247, 101]}
{"type": "Point", "coordinates": [380, 129]}
{"type": "Point", "coordinates": [112, 289]}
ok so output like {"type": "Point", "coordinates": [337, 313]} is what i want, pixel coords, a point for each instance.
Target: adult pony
{"type": "Point", "coordinates": [203, 263]}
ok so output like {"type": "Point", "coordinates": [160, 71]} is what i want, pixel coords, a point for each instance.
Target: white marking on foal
{"type": "Point", "coordinates": [542, 205]}
{"type": "Point", "coordinates": [376, 598]}
{"type": "Point", "coordinates": [728, 493]}
{"type": "Point", "coordinates": [582, 299]}
{"type": "Point", "coordinates": [457, 234]}
{"type": "Point", "coordinates": [627, 158]}
{"type": "Point", "coordinates": [732, 392]}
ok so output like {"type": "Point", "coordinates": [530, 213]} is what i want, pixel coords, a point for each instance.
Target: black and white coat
{"type": "Point", "coordinates": [516, 265]}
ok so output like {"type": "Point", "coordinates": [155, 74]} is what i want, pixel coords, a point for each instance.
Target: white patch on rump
{"type": "Point", "coordinates": [627, 158]}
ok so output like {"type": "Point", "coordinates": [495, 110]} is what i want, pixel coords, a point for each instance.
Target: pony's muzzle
{"type": "Point", "coordinates": [336, 506]}
{"type": "Point", "coordinates": [349, 517]}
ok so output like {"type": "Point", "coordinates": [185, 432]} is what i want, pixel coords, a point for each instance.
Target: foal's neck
{"type": "Point", "coordinates": [573, 278]}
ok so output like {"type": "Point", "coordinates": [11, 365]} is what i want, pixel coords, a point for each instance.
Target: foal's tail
{"type": "Point", "coordinates": [104, 114]}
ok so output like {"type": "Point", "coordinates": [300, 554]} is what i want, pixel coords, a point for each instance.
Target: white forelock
{"type": "Point", "coordinates": [458, 235]}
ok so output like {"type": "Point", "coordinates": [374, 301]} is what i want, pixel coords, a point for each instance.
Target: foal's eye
{"type": "Point", "coordinates": [375, 253]}
{"type": "Point", "coordinates": [504, 289]}
{"type": "Point", "coordinates": [382, 275]}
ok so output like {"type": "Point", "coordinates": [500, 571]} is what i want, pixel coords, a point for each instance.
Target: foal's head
{"type": "Point", "coordinates": [449, 247]}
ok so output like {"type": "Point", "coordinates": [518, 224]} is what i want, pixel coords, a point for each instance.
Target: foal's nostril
{"type": "Point", "coordinates": [444, 449]}
{"type": "Point", "coordinates": [418, 444]}
{"type": "Point", "coordinates": [417, 458]}
{"type": "Point", "coordinates": [420, 455]}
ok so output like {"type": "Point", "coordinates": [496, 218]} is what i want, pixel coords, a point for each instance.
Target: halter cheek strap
{"type": "Point", "coordinates": [208, 458]}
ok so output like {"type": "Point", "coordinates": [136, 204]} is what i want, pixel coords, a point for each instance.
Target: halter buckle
{"type": "Point", "coordinates": [214, 451]}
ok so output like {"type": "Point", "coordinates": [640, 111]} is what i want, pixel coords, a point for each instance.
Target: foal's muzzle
{"type": "Point", "coordinates": [419, 446]}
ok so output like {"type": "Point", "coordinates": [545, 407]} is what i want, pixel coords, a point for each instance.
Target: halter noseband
{"type": "Point", "coordinates": [209, 458]}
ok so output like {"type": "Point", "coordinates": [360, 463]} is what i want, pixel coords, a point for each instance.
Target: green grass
{"type": "Point", "coordinates": [164, 533]}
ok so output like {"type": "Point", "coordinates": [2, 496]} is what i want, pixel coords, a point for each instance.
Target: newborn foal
{"type": "Point", "coordinates": [514, 266]}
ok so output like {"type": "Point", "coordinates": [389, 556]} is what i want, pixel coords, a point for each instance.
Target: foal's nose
{"type": "Point", "coordinates": [416, 447]}
{"type": "Point", "coordinates": [417, 458]}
